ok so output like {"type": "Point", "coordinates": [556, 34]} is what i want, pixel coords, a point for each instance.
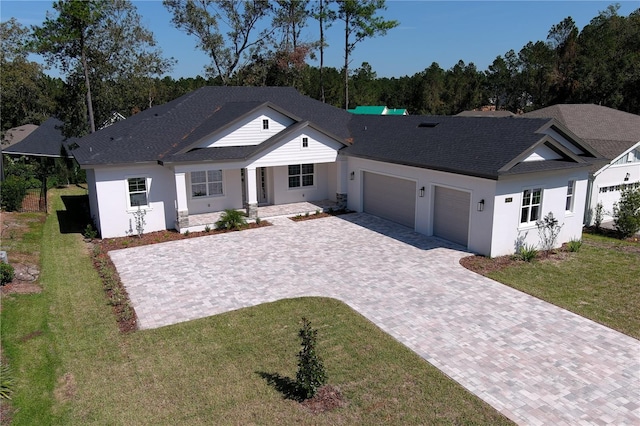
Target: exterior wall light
{"type": "Point", "coordinates": [481, 205]}
{"type": "Point", "coordinates": [627, 176]}
{"type": "Point", "coordinates": [422, 191]}
{"type": "Point", "coordinates": [352, 176]}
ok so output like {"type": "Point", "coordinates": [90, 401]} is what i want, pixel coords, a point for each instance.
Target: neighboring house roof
{"type": "Point", "coordinates": [377, 110]}
{"type": "Point", "coordinates": [16, 134]}
{"type": "Point", "coordinates": [485, 114]}
{"type": "Point", "coordinates": [482, 147]}
{"type": "Point", "coordinates": [46, 141]}
{"type": "Point", "coordinates": [163, 131]}
{"type": "Point", "coordinates": [609, 131]}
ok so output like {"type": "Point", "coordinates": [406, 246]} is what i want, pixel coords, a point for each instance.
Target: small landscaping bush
{"type": "Point", "coordinates": [574, 245]}
{"type": "Point", "coordinates": [598, 215]}
{"type": "Point", "coordinates": [89, 232]}
{"type": "Point", "coordinates": [207, 228]}
{"type": "Point", "coordinates": [626, 212]}
{"type": "Point", "coordinates": [12, 192]}
{"type": "Point", "coordinates": [527, 252]}
{"type": "Point", "coordinates": [548, 230]}
{"type": "Point", "coordinates": [6, 381]}
{"type": "Point", "coordinates": [231, 219]}
{"type": "Point", "coordinates": [6, 273]}
{"type": "Point", "coordinates": [311, 374]}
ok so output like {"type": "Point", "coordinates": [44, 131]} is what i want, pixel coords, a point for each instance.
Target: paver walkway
{"type": "Point", "coordinates": [534, 362]}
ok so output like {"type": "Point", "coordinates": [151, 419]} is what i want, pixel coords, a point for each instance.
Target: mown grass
{"type": "Point", "coordinates": [600, 282]}
{"type": "Point", "coordinates": [77, 369]}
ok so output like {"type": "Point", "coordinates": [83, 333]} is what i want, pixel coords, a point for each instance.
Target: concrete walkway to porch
{"type": "Point", "coordinates": [268, 211]}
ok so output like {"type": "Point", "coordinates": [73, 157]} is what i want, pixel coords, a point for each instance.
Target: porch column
{"type": "Point", "coordinates": [252, 192]}
{"type": "Point", "coordinates": [341, 182]}
{"type": "Point", "coordinates": [182, 209]}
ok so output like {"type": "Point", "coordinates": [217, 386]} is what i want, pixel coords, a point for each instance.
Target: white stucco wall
{"type": "Point", "coordinates": [506, 214]}
{"type": "Point", "coordinates": [115, 217]}
{"type": "Point", "coordinates": [480, 189]}
{"type": "Point", "coordinates": [283, 195]}
{"type": "Point", "coordinates": [231, 198]}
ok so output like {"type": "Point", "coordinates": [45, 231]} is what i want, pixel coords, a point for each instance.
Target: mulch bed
{"type": "Point", "coordinates": [328, 398]}
{"type": "Point", "coordinates": [318, 215]}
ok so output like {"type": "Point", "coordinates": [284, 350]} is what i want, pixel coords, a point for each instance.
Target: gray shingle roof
{"type": "Point", "coordinates": [475, 146]}
{"type": "Point", "coordinates": [45, 141]}
{"type": "Point", "coordinates": [159, 132]}
{"type": "Point", "coordinates": [484, 147]}
{"type": "Point", "coordinates": [609, 131]}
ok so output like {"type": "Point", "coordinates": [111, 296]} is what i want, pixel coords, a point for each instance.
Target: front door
{"type": "Point", "coordinates": [261, 185]}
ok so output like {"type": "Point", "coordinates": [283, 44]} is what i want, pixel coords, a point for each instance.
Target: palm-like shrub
{"type": "Point", "coordinates": [231, 219]}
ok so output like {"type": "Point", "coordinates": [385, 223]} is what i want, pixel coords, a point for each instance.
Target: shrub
{"type": "Point", "coordinates": [12, 192]}
{"type": "Point", "coordinates": [258, 220]}
{"type": "Point", "coordinates": [548, 230]}
{"type": "Point", "coordinates": [89, 232]}
{"type": "Point", "coordinates": [574, 245]}
{"type": "Point", "coordinates": [207, 228]}
{"type": "Point", "coordinates": [6, 273]}
{"type": "Point", "coordinates": [311, 374]}
{"type": "Point", "coordinates": [598, 215]}
{"type": "Point", "coordinates": [626, 212]}
{"type": "Point", "coordinates": [527, 252]}
{"type": "Point", "coordinates": [186, 233]}
{"type": "Point", "coordinates": [231, 219]}
{"type": "Point", "coordinates": [138, 217]}
{"type": "Point", "coordinates": [6, 381]}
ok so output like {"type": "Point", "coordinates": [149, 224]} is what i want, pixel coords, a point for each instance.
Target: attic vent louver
{"type": "Point", "coordinates": [428, 124]}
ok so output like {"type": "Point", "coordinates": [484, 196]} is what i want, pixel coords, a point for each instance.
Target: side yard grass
{"type": "Point", "coordinates": [600, 282]}
{"type": "Point", "coordinates": [73, 366]}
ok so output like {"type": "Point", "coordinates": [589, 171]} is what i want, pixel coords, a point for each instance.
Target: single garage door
{"type": "Point", "coordinates": [451, 215]}
{"type": "Point", "coordinates": [390, 198]}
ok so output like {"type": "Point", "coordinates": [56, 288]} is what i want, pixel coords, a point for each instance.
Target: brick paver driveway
{"type": "Point", "coordinates": [534, 362]}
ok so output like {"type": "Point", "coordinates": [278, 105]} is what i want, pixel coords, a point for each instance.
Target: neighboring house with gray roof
{"type": "Point", "coordinates": [480, 182]}
{"type": "Point", "coordinates": [46, 140]}
{"type": "Point", "coordinates": [616, 136]}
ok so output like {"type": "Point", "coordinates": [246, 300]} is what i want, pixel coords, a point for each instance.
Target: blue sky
{"type": "Point", "coordinates": [429, 31]}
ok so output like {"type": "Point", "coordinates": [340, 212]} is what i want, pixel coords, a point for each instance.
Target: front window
{"type": "Point", "coordinates": [301, 175]}
{"type": "Point", "coordinates": [206, 183]}
{"type": "Point", "coordinates": [570, 190]}
{"type": "Point", "coordinates": [137, 189]}
{"type": "Point", "coordinates": [531, 204]}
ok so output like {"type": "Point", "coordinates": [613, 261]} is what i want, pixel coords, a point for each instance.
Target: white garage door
{"type": "Point", "coordinates": [390, 198]}
{"type": "Point", "coordinates": [451, 215]}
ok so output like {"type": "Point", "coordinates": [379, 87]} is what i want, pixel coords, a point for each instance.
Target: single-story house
{"type": "Point", "coordinates": [479, 182]}
{"type": "Point", "coordinates": [616, 136]}
{"type": "Point", "coordinates": [378, 110]}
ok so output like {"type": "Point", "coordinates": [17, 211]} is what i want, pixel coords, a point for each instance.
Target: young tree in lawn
{"type": "Point", "coordinates": [360, 22]}
{"type": "Point", "coordinates": [243, 41]}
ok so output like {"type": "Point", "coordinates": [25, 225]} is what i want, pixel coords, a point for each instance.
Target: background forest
{"type": "Point", "coordinates": [111, 63]}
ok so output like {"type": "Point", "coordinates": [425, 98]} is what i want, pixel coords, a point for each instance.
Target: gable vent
{"type": "Point", "coordinates": [428, 124]}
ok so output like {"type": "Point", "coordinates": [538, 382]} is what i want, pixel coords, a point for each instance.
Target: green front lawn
{"type": "Point", "coordinates": [73, 366]}
{"type": "Point", "coordinates": [600, 282]}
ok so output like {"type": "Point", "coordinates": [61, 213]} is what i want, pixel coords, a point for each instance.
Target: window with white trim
{"type": "Point", "coordinates": [571, 187]}
{"type": "Point", "coordinates": [206, 183]}
{"type": "Point", "coordinates": [531, 205]}
{"type": "Point", "coordinates": [137, 192]}
{"type": "Point", "coordinates": [265, 124]}
{"type": "Point", "coordinates": [301, 175]}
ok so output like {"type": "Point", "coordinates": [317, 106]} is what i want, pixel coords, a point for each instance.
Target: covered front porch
{"type": "Point", "coordinates": [197, 222]}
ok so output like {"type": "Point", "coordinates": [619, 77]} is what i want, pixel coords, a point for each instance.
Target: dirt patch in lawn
{"type": "Point", "coordinates": [328, 398]}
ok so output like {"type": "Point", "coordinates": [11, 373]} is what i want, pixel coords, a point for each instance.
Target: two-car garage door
{"type": "Point", "coordinates": [394, 198]}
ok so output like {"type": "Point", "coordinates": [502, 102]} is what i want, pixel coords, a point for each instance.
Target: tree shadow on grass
{"type": "Point", "coordinates": [285, 385]}
{"type": "Point", "coordinates": [75, 218]}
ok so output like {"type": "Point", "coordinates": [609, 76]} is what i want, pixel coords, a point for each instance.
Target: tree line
{"type": "Point", "coordinates": [112, 63]}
